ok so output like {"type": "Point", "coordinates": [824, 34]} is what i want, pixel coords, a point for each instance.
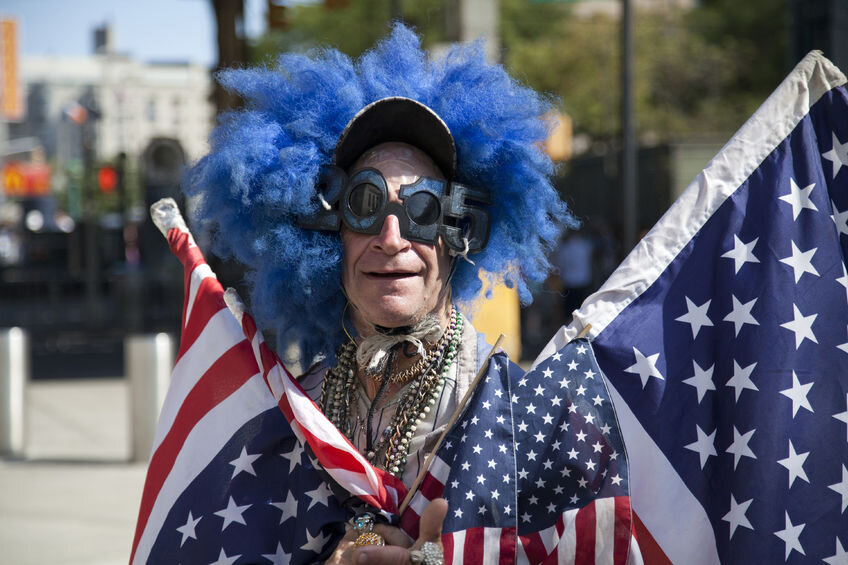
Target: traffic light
{"type": "Point", "coordinates": [107, 179]}
{"type": "Point", "coordinates": [277, 16]}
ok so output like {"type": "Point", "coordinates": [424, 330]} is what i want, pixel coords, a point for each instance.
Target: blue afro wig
{"type": "Point", "coordinates": [261, 172]}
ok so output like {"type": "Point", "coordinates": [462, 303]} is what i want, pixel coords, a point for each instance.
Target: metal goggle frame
{"type": "Point", "coordinates": [429, 208]}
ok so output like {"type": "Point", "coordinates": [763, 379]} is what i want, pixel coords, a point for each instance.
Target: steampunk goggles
{"type": "Point", "coordinates": [429, 208]}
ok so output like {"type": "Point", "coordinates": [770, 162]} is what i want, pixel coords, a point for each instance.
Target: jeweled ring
{"type": "Point", "coordinates": [369, 538]}
{"type": "Point", "coordinates": [364, 522]}
{"type": "Point", "coordinates": [429, 554]}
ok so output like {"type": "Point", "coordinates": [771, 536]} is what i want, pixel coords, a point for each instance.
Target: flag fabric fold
{"type": "Point", "coordinates": [724, 337]}
{"type": "Point", "coordinates": [246, 469]}
{"type": "Point", "coordinates": [213, 492]}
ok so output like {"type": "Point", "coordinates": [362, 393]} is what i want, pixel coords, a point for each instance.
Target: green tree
{"type": "Point", "coordinates": [354, 28]}
{"type": "Point", "coordinates": [696, 72]}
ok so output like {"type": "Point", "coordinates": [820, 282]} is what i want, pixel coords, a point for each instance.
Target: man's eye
{"type": "Point", "coordinates": [365, 199]}
{"type": "Point", "coordinates": [423, 208]}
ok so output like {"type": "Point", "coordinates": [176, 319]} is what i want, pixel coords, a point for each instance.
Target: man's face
{"type": "Point", "coordinates": [391, 281]}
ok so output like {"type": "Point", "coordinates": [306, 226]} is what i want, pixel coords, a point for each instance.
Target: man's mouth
{"type": "Point", "coordinates": [391, 275]}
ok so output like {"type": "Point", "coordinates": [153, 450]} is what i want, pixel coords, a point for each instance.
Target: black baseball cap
{"type": "Point", "coordinates": [397, 119]}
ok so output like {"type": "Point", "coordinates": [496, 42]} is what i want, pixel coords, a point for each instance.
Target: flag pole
{"type": "Point", "coordinates": [408, 498]}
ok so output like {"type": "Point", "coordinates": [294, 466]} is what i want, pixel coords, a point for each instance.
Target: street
{"type": "Point", "coordinates": [74, 499]}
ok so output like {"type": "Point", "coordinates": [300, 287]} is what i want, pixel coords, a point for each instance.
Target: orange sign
{"type": "Point", "coordinates": [26, 179]}
{"type": "Point", "coordinates": [11, 103]}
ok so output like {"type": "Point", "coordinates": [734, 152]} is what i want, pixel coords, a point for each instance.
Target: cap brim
{"type": "Point", "coordinates": [397, 119]}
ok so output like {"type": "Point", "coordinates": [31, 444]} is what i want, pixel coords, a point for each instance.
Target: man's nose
{"type": "Point", "coordinates": [390, 240]}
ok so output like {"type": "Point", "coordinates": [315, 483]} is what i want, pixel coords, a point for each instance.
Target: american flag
{"type": "Point", "coordinates": [228, 481]}
{"type": "Point", "coordinates": [724, 336]}
{"type": "Point", "coordinates": [535, 472]}
{"type": "Point", "coordinates": [246, 470]}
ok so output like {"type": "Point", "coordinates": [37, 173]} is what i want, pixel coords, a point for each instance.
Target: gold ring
{"type": "Point", "coordinates": [369, 538]}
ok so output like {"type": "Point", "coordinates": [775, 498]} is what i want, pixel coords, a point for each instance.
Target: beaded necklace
{"type": "Point", "coordinates": [393, 446]}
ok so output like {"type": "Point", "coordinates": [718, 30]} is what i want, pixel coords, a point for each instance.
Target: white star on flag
{"type": "Point", "coordinates": [321, 495]}
{"type": "Point", "coordinates": [232, 513]}
{"type": "Point", "coordinates": [696, 316]}
{"type": "Point", "coordinates": [843, 280]}
{"type": "Point", "coordinates": [279, 557]}
{"type": "Point", "coordinates": [798, 395]}
{"type": "Point", "coordinates": [802, 326]}
{"type": "Point", "coordinates": [838, 558]}
{"type": "Point", "coordinates": [790, 535]}
{"type": "Point", "coordinates": [841, 488]}
{"type": "Point", "coordinates": [799, 198]}
{"type": "Point", "coordinates": [741, 378]}
{"type": "Point", "coordinates": [843, 416]}
{"type": "Point", "coordinates": [742, 252]}
{"type": "Point", "coordinates": [293, 456]}
{"type": "Point", "coordinates": [187, 529]}
{"type": "Point", "coordinates": [801, 262]}
{"type": "Point", "coordinates": [702, 381]}
{"type": "Point", "coordinates": [794, 463]}
{"type": "Point", "coordinates": [224, 559]}
{"type": "Point", "coordinates": [315, 543]}
{"type": "Point", "coordinates": [741, 314]}
{"type": "Point", "coordinates": [840, 219]}
{"type": "Point", "coordinates": [739, 448]}
{"type": "Point", "coordinates": [645, 367]}
{"type": "Point", "coordinates": [838, 155]}
{"type": "Point", "coordinates": [736, 516]}
{"type": "Point", "coordinates": [244, 462]}
{"type": "Point", "coordinates": [287, 507]}
{"type": "Point", "coordinates": [704, 446]}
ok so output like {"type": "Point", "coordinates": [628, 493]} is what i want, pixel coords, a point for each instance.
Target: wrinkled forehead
{"type": "Point", "coordinates": [399, 163]}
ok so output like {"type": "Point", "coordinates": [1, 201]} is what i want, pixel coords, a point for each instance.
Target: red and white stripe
{"type": "Point", "coordinates": [480, 546]}
{"type": "Point", "coordinates": [334, 451]}
{"type": "Point", "coordinates": [597, 533]}
{"type": "Point", "coordinates": [217, 386]}
{"type": "Point", "coordinates": [432, 486]}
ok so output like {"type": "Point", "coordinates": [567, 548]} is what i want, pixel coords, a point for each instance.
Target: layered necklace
{"type": "Point", "coordinates": [427, 378]}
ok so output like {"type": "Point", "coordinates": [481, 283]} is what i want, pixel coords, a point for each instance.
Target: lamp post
{"type": "Point", "coordinates": [628, 133]}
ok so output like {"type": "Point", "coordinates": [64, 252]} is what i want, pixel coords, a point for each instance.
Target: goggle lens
{"type": "Point", "coordinates": [365, 199]}
{"type": "Point", "coordinates": [423, 208]}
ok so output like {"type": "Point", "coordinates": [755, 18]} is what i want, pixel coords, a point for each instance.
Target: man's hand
{"type": "Point", "coordinates": [344, 553]}
{"type": "Point", "coordinates": [396, 550]}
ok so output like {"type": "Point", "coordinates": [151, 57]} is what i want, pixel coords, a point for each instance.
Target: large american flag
{"type": "Point", "coordinates": [724, 336]}
{"type": "Point", "coordinates": [246, 469]}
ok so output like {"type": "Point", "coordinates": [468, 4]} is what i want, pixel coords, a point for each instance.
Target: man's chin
{"type": "Point", "coordinates": [395, 319]}
{"type": "Point", "coordinates": [393, 312]}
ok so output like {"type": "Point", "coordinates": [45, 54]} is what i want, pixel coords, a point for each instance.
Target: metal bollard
{"type": "Point", "coordinates": [148, 361]}
{"type": "Point", "coordinates": [14, 375]}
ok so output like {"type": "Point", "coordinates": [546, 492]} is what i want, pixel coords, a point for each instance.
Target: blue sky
{"type": "Point", "coordinates": [145, 29]}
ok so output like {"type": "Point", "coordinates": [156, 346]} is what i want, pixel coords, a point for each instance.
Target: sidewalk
{"type": "Point", "coordinates": [74, 500]}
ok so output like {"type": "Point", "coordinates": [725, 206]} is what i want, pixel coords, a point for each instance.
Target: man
{"type": "Point", "coordinates": [366, 199]}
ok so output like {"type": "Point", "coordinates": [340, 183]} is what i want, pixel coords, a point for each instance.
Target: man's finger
{"type": "Point", "coordinates": [392, 535]}
{"type": "Point", "coordinates": [388, 555]}
{"type": "Point", "coordinates": [430, 526]}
